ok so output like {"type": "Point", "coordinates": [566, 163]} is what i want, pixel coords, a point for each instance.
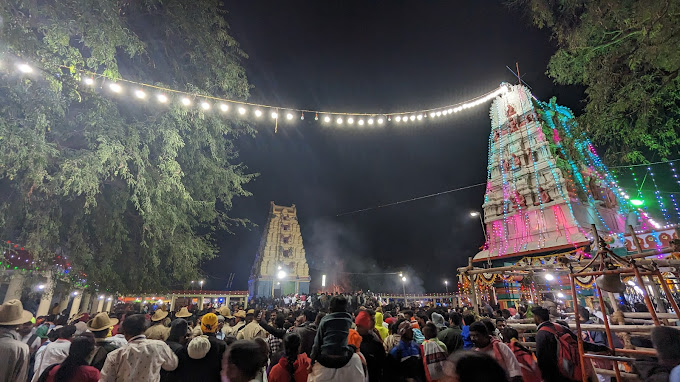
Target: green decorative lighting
{"type": "Point", "coordinates": [637, 202]}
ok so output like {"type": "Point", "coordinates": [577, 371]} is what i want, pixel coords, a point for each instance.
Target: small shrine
{"type": "Point", "coordinates": [280, 266]}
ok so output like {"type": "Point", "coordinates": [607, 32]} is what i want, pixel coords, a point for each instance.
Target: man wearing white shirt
{"type": "Point", "coordinates": [54, 353]}
{"type": "Point", "coordinates": [141, 359]}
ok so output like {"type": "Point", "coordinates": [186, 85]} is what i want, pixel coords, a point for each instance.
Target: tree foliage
{"type": "Point", "coordinates": [625, 53]}
{"type": "Point", "coordinates": [130, 191]}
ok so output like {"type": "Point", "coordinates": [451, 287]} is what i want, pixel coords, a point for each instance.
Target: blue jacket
{"type": "Point", "coordinates": [465, 333]}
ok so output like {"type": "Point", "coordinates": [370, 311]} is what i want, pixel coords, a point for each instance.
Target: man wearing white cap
{"type": "Point", "coordinates": [13, 353]}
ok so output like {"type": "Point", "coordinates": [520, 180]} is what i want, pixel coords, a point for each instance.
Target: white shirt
{"type": "Point", "coordinates": [14, 356]}
{"type": "Point", "coordinates": [509, 363]}
{"type": "Point", "coordinates": [140, 360]}
{"type": "Point", "coordinates": [55, 352]}
{"type": "Point", "coordinates": [35, 345]}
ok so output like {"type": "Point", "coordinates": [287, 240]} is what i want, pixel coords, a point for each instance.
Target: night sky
{"type": "Point", "coordinates": [370, 56]}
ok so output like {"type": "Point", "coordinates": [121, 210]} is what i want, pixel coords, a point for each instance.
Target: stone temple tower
{"type": "Point", "coordinates": [280, 266]}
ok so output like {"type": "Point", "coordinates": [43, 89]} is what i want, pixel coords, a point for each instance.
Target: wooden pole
{"type": "Point", "coordinates": [648, 302]}
{"type": "Point", "coordinates": [610, 339]}
{"type": "Point", "coordinates": [579, 337]}
{"type": "Point", "coordinates": [475, 271]}
{"type": "Point", "coordinates": [600, 327]}
{"type": "Point", "coordinates": [473, 289]}
{"type": "Point", "coordinates": [669, 296]}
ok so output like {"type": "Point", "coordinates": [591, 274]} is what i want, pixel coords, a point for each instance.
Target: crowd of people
{"type": "Point", "coordinates": [338, 337]}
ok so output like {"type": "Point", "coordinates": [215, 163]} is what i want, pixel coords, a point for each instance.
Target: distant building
{"type": "Point", "coordinates": [280, 266]}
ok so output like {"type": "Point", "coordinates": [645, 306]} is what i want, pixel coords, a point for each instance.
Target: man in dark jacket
{"type": "Point", "coordinates": [665, 340]}
{"type": "Point", "coordinates": [307, 331]}
{"type": "Point", "coordinates": [547, 343]}
{"type": "Point", "coordinates": [452, 336]}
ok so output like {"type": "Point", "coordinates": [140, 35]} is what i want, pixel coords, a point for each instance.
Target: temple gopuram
{"type": "Point", "coordinates": [280, 266]}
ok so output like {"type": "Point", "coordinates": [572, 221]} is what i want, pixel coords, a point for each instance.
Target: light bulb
{"type": "Point", "coordinates": [450, 111]}
{"type": "Point", "coordinates": [439, 113]}
{"type": "Point", "coordinates": [549, 277]}
{"type": "Point", "coordinates": [412, 117]}
{"type": "Point", "coordinates": [25, 68]}
{"type": "Point", "coordinates": [140, 94]}
{"type": "Point", "coordinates": [258, 113]}
{"type": "Point", "coordinates": [326, 119]}
{"type": "Point", "coordinates": [115, 88]}
{"type": "Point", "coordinates": [350, 120]}
{"type": "Point", "coordinates": [289, 116]}
{"type": "Point", "coordinates": [361, 122]}
{"type": "Point", "coordinates": [380, 121]}
{"type": "Point", "coordinates": [186, 101]}
{"type": "Point", "coordinates": [432, 114]}
{"type": "Point", "coordinates": [338, 121]}
{"type": "Point", "coordinates": [420, 116]}
{"type": "Point", "coordinates": [370, 121]}
{"type": "Point", "coordinates": [274, 115]}
{"type": "Point", "coordinates": [205, 105]}
{"type": "Point", "coordinates": [162, 98]}
{"type": "Point", "coordinates": [242, 110]}
{"type": "Point", "coordinates": [398, 118]}
{"type": "Point", "coordinates": [224, 107]}
{"type": "Point", "coordinates": [89, 81]}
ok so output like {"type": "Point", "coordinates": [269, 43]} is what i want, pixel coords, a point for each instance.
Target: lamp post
{"type": "Point", "coordinates": [280, 275]}
{"type": "Point", "coordinates": [201, 283]}
{"type": "Point", "coordinates": [446, 283]}
{"type": "Point", "coordinates": [403, 287]}
{"type": "Point", "coordinates": [477, 214]}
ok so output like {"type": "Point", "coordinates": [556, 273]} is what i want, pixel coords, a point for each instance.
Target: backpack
{"type": "Point", "coordinates": [410, 368]}
{"type": "Point", "coordinates": [45, 374]}
{"type": "Point", "coordinates": [527, 361]}
{"type": "Point", "coordinates": [101, 351]}
{"type": "Point", "coordinates": [568, 359]}
{"type": "Point", "coordinates": [433, 359]}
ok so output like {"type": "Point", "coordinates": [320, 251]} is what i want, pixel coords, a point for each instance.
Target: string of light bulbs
{"type": "Point", "coordinates": [242, 109]}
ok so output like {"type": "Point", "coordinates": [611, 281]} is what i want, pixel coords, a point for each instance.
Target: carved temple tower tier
{"type": "Point", "coordinates": [545, 187]}
{"type": "Point", "coordinates": [280, 266]}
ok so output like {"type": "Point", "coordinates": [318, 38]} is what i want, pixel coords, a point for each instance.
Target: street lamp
{"type": "Point", "coordinates": [446, 283]}
{"type": "Point", "coordinates": [201, 283]}
{"type": "Point", "coordinates": [477, 214]}
{"type": "Point", "coordinates": [403, 287]}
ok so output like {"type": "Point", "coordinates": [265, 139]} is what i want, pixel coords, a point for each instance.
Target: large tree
{"type": "Point", "coordinates": [625, 53]}
{"type": "Point", "coordinates": [131, 191]}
